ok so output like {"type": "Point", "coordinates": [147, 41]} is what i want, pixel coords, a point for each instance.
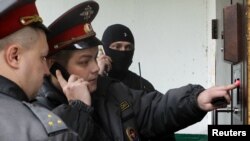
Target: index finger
{"type": "Point", "coordinates": [231, 86]}
{"type": "Point", "coordinates": [60, 78]}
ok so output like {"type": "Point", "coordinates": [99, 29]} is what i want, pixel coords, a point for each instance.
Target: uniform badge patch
{"type": "Point", "coordinates": [124, 105]}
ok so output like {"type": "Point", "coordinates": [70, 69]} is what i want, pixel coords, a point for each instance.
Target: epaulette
{"type": "Point", "coordinates": [127, 112]}
{"type": "Point", "coordinates": [51, 122]}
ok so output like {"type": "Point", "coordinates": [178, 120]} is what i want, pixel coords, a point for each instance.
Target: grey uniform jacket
{"type": "Point", "coordinates": [117, 109]}
{"type": "Point", "coordinates": [22, 121]}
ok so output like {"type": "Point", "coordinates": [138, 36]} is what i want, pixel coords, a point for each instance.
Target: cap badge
{"type": "Point", "coordinates": [30, 19]}
{"type": "Point", "coordinates": [125, 34]}
{"type": "Point", "coordinates": [87, 28]}
{"type": "Point", "coordinates": [87, 13]}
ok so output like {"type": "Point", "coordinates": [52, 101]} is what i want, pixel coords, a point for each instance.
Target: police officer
{"type": "Point", "coordinates": [23, 48]}
{"type": "Point", "coordinates": [119, 113]}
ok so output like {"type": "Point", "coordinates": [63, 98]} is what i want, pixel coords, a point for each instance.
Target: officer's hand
{"type": "Point", "coordinates": [206, 98]}
{"type": "Point", "coordinates": [75, 89]}
{"type": "Point", "coordinates": [104, 63]}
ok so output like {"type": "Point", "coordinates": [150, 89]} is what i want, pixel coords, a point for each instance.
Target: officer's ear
{"type": "Point", "coordinates": [50, 61]}
{"type": "Point", "coordinates": [12, 55]}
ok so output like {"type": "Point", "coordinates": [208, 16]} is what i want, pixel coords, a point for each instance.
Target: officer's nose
{"type": "Point", "coordinates": [95, 67]}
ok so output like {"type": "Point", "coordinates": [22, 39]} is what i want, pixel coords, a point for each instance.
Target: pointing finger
{"type": "Point", "coordinates": [231, 86]}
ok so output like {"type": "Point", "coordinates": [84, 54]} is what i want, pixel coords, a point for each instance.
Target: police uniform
{"type": "Point", "coordinates": [76, 22]}
{"type": "Point", "coordinates": [20, 120]}
{"type": "Point", "coordinates": [118, 113]}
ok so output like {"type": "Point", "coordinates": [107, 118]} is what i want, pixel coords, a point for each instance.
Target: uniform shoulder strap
{"type": "Point", "coordinates": [123, 97]}
{"type": "Point", "coordinates": [127, 113]}
{"type": "Point", "coordinates": [125, 103]}
{"type": "Point", "coordinates": [51, 122]}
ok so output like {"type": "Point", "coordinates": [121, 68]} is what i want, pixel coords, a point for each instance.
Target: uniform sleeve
{"type": "Point", "coordinates": [78, 117]}
{"type": "Point", "coordinates": [157, 113]}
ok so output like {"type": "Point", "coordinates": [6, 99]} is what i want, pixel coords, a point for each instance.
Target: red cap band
{"type": "Point", "coordinates": [11, 22]}
{"type": "Point", "coordinates": [68, 35]}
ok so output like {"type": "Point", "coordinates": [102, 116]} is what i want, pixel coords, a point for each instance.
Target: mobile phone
{"type": "Point", "coordinates": [101, 50]}
{"type": "Point", "coordinates": [57, 66]}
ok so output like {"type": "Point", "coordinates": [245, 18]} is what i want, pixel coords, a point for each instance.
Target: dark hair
{"type": "Point", "coordinates": [62, 57]}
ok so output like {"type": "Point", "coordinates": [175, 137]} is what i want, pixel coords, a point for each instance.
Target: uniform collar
{"type": "Point", "coordinates": [103, 84]}
{"type": "Point", "coordinates": [51, 92]}
{"type": "Point", "coordinates": [11, 89]}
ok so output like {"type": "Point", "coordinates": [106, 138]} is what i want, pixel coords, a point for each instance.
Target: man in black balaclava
{"type": "Point", "coordinates": [118, 44]}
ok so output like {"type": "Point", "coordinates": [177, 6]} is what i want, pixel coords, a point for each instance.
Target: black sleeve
{"type": "Point", "coordinates": [157, 113]}
{"type": "Point", "coordinates": [78, 117]}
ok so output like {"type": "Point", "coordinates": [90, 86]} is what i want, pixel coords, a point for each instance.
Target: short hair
{"type": "Point", "coordinates": [25, 37]}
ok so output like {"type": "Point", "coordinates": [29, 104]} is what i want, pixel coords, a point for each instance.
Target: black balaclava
{"type": "Point", "coordinates": [121, 60]}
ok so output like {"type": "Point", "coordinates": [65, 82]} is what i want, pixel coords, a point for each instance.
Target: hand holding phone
{"type": "Point", "coordinates": [104, 62]}
{"type": "Point", "coordinates": [76, 91]}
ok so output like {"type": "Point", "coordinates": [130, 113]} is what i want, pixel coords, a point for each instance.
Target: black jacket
{"type": "Point", "coordinates": [117, 109]}
{"type": "Point", "coordinates": [22, 121]}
